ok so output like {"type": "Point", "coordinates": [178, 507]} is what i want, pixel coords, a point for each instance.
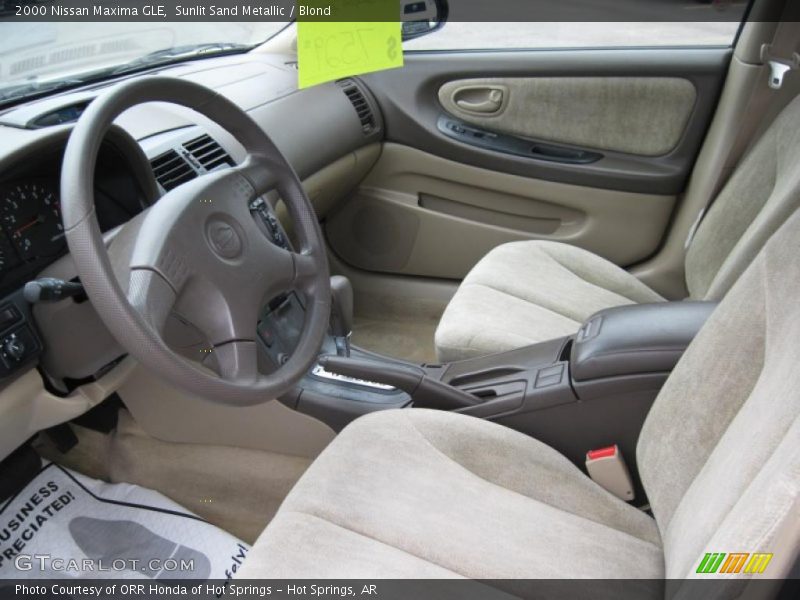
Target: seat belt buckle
{"type": "Point", "coordinates": [607, 468]}
{"type": "Point", "coordinates": [778, 66]}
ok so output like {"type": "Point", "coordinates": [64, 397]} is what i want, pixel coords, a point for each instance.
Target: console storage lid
{"type": "Point", "coordinates": [635, 339]}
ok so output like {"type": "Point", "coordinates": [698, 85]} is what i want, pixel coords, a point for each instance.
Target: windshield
{"type": "Point", "coordinates": [39, 57]}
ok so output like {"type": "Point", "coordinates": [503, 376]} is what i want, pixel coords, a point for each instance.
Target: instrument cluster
{"type": "Point", "coordinates": [30, 219]}
{"type": "Point", "coordinates": [31, 228]}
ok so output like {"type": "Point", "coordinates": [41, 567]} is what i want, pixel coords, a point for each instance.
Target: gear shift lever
{"type": "Point", "coordinates": [341, 313]}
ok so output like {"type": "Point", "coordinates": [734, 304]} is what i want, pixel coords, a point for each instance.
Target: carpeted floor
{"type": "Point", "coordinates": [408, 338]}
{"type": "Point", "coordinates": [236, 489]}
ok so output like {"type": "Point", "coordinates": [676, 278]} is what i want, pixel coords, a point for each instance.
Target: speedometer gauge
{"type": "Point", "coordinates": [31, 218]}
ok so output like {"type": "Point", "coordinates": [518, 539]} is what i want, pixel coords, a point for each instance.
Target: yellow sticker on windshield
{"type": "Point", "coordinates": [329, 49]}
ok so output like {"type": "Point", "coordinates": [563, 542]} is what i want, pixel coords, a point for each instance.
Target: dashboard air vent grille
{"type": "Point", "coordinates": [171, 170]}
{"type": "Point", "coordinates": [208, 152]}
{"type": "Point", "coordinates": [361, 106]}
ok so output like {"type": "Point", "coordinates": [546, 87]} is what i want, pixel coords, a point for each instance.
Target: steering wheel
{"type": "Point", "coordinates": [197, 252]}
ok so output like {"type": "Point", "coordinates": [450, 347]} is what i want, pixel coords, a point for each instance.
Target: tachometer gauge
{"type": "Point", "coordinates": [31, 218]}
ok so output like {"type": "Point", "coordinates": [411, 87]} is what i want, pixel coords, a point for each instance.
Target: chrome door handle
{"type": "Point", "coordinates": [481, 100]}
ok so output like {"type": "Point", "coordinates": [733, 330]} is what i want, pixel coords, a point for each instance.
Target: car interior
{"type": "Point", "coordinates": [502, 315]}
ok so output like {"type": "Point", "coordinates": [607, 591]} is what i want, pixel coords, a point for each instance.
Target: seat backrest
{"type": "Point", "coordinates": [719, 453]}
{"type": "Point", "coordinates": [762, 192]}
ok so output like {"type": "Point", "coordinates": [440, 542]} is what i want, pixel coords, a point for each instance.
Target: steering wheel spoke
{"type": "Point", "coordinates": [305, 266]}
{"type": "Point", "coordinates": [236, 361]}
{"type": "Point", "coordinates": [262, 173]}
{"type": "Point", "coordinates": [151, 296]}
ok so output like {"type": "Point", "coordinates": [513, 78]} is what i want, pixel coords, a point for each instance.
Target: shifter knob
{"type": "Point", "coordinates": [341, 312]}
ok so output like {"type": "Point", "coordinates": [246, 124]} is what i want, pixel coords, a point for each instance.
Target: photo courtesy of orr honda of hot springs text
{"type": "Point", "coordinates": [160, 589]}
{"type": "Point", "coordinates": [400, 298]}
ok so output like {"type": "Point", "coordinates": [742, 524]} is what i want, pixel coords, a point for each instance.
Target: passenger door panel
{"type": "Point", "coordinates": [438, 200]}
{"type": "Point", "coordinates": [421, 214]}
{"type": "Point", "coordinates": [643, 116]}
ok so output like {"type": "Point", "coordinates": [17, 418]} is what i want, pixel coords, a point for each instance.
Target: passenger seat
{"type": "Point", "coordinates": [522, 293]}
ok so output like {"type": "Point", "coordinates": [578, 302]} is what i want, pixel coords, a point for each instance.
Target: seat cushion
{"type": "Point", "coordinates": [522, 293]}
{"type": "Point", "coordinates": [419, 493]}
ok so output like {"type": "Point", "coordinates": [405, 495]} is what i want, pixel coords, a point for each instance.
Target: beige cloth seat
{"type": "Point", "coordinates": [527, 292]}
{"type": "Point", "coordinates": [418, 493]}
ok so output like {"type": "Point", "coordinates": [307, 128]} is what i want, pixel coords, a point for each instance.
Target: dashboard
{"type": "Point", "coordinates": [330, 133]}
{"type": "Point", "coordinates": [150, 149]}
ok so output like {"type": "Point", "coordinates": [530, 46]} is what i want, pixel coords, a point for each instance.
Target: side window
{"type": "Point", "coordinates": [654, 23]}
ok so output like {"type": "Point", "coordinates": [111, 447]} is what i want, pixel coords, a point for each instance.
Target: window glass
{"type": "Point", "coordinates": [40, 53]}
{"type": "Point", "coordinates": [459, 35]}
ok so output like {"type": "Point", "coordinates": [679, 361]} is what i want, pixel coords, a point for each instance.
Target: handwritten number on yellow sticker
{"type": "Point", "coordinates": [391, 50]}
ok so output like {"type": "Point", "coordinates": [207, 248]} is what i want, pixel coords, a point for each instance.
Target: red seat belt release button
{"type": "Point", "coordinates": [602, 452]}
{"type": "Point", "coordinates": [607, 468]}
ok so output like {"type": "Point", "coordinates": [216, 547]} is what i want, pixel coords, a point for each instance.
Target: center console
{"type": "Point", "coordinates": [576, 393]}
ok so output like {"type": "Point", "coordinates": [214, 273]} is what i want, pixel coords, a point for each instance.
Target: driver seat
{"type": "Point", "coordinates": [425, 494]}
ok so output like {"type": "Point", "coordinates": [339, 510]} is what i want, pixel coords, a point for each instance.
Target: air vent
{"type": "Point", "coordinates": [359, 102]}
{"type": "Point", "coordinates": [171, 170]}
{"type": "Point", "coordinates": [206, 151]}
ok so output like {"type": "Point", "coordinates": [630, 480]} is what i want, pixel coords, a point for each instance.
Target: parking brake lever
{"type": "Point", "coordinates": [425, 391]}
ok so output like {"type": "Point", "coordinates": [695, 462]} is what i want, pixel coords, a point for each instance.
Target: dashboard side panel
{"type": "Point", "coordinates": [27, 407]}
{"type": "Point", "coordinates": [161, 410]}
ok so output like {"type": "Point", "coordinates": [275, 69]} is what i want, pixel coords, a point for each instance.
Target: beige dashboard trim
{"type": "Point", "coordinates": [26, 407]}
{"type": "Point", "coordinates": [171, 415]}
